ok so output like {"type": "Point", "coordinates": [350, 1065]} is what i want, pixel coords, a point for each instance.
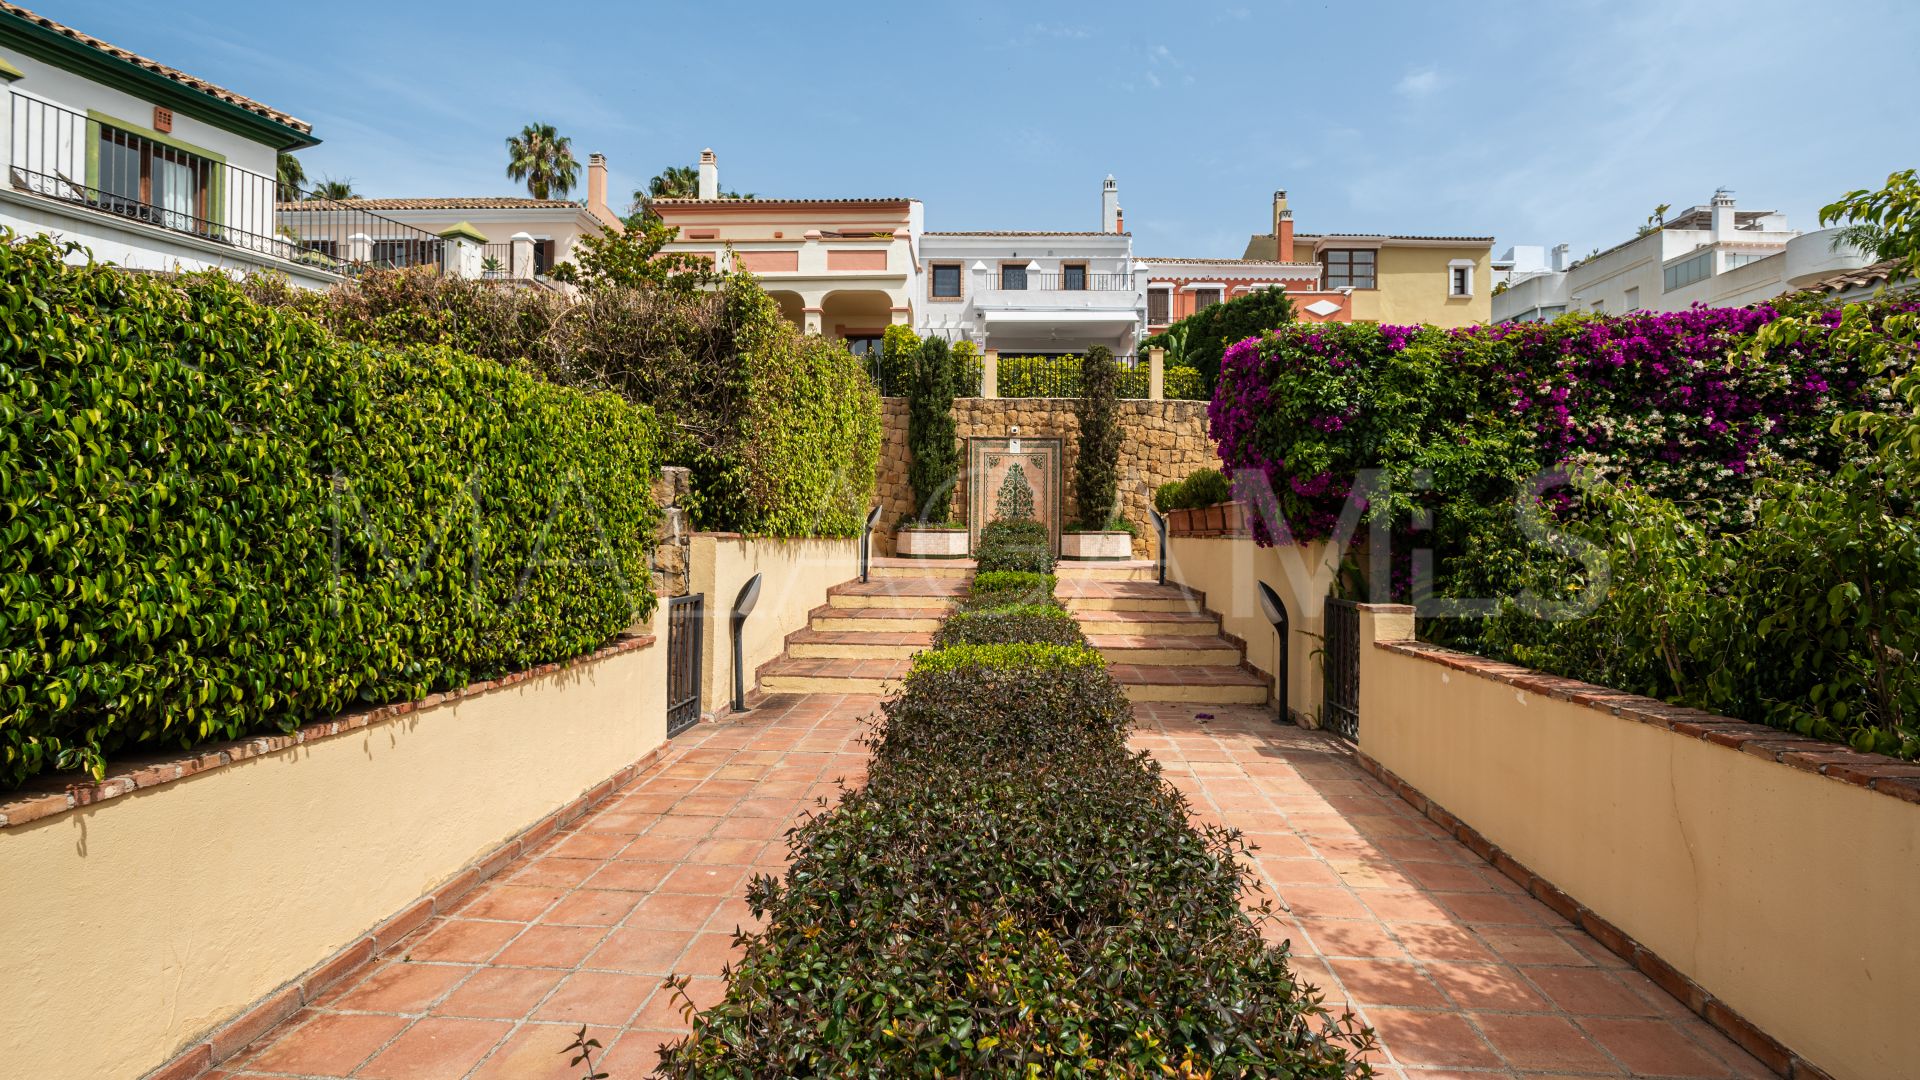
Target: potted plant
{"type": "Point", "coordinates": [931, 533]}
{"type": "Point", "coordinates": [1101, 533]}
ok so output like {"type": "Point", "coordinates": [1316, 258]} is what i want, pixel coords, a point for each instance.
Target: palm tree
{"type": "Point", "coordinates": [544, 159]}
{"type": "Point", "coordinates": [292, 175]}
{"type": "Point", "coordinates": [336, 190]}
{"type": "Point", "coordinates": [674, 182]}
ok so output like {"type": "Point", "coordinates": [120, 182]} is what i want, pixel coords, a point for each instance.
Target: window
{"type": "Point", "coordinates": [1349, 268]}
{"type": "Point", "coordinates": [1633, 298]}
{"type": "Point", "coordinates": [542, 257]}
{"type": "Point", "coordinates": [946, 281]}
{"type": "Point", "coordinates": [1687, 271]}
{"type": "Point", "coordinates": [1741, 258]}
{"type": "Point", "coordinates": [1205, 298]}
{"type": "Point", "coordinates": [864, 344]}
{"type": "Point", "coordinates": [1159, 306]}
{"type": "Point", "coordinates": [1462, 281]}
{"type": "Point", "coordinates": [1073, 277]}
{"type": "Point", "coordinates": [1013, 276]}
{"type": "Point", "coordinates": [153, 182]}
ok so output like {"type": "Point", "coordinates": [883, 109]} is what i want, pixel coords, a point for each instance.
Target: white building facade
{"type": "Point", "coordinates": [1716, 255]}
{"type": "Point", "coordinates": [1023, 293]}
{"type": "Point", "coordinates": [146, 166]}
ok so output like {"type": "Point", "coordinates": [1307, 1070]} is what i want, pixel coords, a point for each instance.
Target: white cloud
{"type": "Point", "coordinates": [1419, 83]}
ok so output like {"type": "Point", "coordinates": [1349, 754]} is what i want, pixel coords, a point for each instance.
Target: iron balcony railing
{"type": "Point", "coordinates": [1015, 279]}
{"type": "Point", "coordinates": [88, 161]}
{"type": "Point", "coordinates": [496, 260]}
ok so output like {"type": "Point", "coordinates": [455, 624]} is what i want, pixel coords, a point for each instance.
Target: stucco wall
{"type": "Point", "coordinates": [1226, 570]}
{"type": "Point", "coordinates": [1413, 287]}
{"type": "Point", "coordinates": [1788, 895]}
{"type": "Point", "coordinates": [138, 923]}
{"type": "Point", "coordinates": [1160, 441]}
{"type": "Point", "coordinates": [795, 577]}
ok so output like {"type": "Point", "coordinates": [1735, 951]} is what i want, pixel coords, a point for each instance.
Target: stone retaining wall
{"type": "Point", "coordinates": [1160, 441]}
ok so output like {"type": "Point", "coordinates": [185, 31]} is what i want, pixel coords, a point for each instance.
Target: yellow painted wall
{"type": "Point", "coordinates": [796, 575]}
{"type": "Point", "coordinates": [1790, 896]}
{"type": "Point", "coordinates": [135, 925]}
{"type": "Point", "coordinates": [1413, 287]}
{"type": "Point", "coordinates": [1226, 570]}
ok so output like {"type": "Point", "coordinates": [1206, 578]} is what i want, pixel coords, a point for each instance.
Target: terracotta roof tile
{"type": "Point", "coordinates": [1864, 277]}
{"type": "Point", "coordinates": [181, 77]}
{"type": "Point", "coordinates": [1019, 232]}
{"type": "Point", "coordinates": [771, 202]}
{"type": "Point", "coordinates": [481, 202]}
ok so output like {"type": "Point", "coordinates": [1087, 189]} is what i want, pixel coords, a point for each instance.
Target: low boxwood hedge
{"type": "Point", "coordinates": [1044, 623]}
{"type": "Point", "coordinates": [1016, 544]}
{"type": "Point", "coordinates": [998, 588]}
{"type": "Point", "coordinates": [1013, 893]}
{"type": "Point", "coordinates": [221, 520]}
{"type": "Point", "coordinates": [1202, 487]}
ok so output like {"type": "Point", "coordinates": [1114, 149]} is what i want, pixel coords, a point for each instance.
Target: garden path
{"type": "Point", "coordinates": [1460, 973]}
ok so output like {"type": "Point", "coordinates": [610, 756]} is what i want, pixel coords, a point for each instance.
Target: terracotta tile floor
{"type": "Point", "coordinates": [1461, 974]}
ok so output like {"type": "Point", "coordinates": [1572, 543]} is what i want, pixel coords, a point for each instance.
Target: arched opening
{"type": "Point", "coordinates": [857, 316]}
{"type": "Point", "coordinates": [791, 306]}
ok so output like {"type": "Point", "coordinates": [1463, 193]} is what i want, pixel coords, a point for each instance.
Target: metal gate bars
{"type": "Point", "coordinates": [1342, 713]}
{"type": "Point", "coordinates": [685, 615]}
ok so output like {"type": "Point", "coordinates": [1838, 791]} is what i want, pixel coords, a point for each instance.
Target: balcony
{"type": "Point", "coordinates": [84, 161]}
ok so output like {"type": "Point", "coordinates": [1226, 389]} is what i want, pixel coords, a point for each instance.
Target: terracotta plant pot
{"type": "Point", "coordinates": [912, 543]}
{"type": "Point", "coordinates": [1110, 546]}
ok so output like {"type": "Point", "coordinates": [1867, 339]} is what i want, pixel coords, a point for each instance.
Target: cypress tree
{"type": "Point", "coordinates": [930, 433]}
{"type": "Point", "coordinates": [1096, 470]}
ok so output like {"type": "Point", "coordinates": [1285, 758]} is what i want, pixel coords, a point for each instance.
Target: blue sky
{"type": "Point", "coordinates": [1534, 122]}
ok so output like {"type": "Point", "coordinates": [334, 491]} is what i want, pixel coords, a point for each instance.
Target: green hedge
{"type": "Point", "coordinates": [1013, 893]}
{"type": "Point", "coordinates": [781, 431]}
{"type": "Point", "coordinates": [1060, 376]}
{"type": "Point", "coordinates": [1202, 487]}
{"type": "Point", "coordinates": [1041, 623]}
{"type": "Point", "coordinates": [183, 469]}
{"type": "Point", "coordinates": [1019, 544]}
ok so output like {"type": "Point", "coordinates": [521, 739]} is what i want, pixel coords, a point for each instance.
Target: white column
{"type": "Point", "coordinates": [1156, 374]}
{"type": "Point", "coordinates": [8, 73]}
{"type": "Point", "coordinates": [359, 248]}
{"type": "Point", "coordinates": [810, 320]}
{"type": "Point", "coordinates": [990, 374]}
{"type": "Point", "coordinates": [520, 267]}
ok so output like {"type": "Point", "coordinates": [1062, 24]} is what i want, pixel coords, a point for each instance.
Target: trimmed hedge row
{"type": "Point", "coordinates": [1005, 607]}
{"type": "Point", "coordinates": [1202, 487]}
{"type": "Point", "coordinates": [780, 430]}
{"type": "Point", "coordinates": [219, 520]}
{"type": "Point", "coordinates": [1013, 893]}
{"type": "Point", "coordinates": [1018, 544]}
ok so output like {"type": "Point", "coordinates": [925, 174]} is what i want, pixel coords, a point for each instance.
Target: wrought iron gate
{"type": "Point", "coordinates": [1342, 698]}
{"type": "Point", "coordinates": [684, 618]}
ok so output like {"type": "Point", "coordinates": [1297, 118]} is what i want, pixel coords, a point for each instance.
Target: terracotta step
{"type": "Point", "coordinates": [1083, 594]}
{"type": "Point", "coordinates": [861, 644]}
{"type": "Point", "coordinates": [909, 620]}
{"type": "Point", "coordinates": [910, 569]}
{"type": "Point", "coordinates": [1148, 623]}
{"type": "Point", "coordinates": [1171, 651]}
{"type": "Point", "coordinates": [798, 675]}
{"type": "Point", "coordinates": [1105, 570]}
{"type": "Point", "coordinates": [933, 593]}
{"type": "Point", "coordinates": [1199, 685]}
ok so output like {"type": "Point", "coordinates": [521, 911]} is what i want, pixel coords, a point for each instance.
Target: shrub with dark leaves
{"type": "Point", "coordinates": [998, 588]}
{"type": "Point", "coordinates": [1013, 893]}
{"type": "Point", "coordinates": [1015, 544]}
{"type": "Point", "coordinates": [1043, 623]}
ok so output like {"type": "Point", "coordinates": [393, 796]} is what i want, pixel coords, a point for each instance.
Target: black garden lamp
{"type": "Point", "coordinates": [1276, 613]}
{"type": "Point", "coordinates": [866, 542]}
{"type": "Point", "coordinates": [736, 619]}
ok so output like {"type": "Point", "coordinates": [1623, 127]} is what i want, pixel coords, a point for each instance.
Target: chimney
{"type": "Point", "coordinates": [709, 174]}
{"type": "Point", "coordinates": [1110, 205]}
{"type": "Point", "coordinates": [1282, 227]}
{"type": "Point", "coordinates": [596, 184]}
{"type": "Point", "coordinates": [1723, 219]}
{"type": "Point", "coordinates": [1560, 252]}
{"type": "Point", "coordinates": [1119, 220]}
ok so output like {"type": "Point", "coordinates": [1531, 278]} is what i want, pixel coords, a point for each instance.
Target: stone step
{"type": "Point", "coordinates": [861, 644]}
{"type": "Point", "coordinates": [935, 594]}
{"type": "Point", "coordinates": [1108, 570]}
{"type": "Point", "coordinates": [894, 568]}
{"type": "Point", "coordinates": [1197, 685]}
{"type": "Point", "coordinates": [798, 675]}
{"type": "Point", "coordinates": [1148, 623]}
{"type": "Point", "coordinates": [1170, 651]}
{"type": "Point", "coordinates": [1083, 594]}
{"type": "Point", "coordinates": [908, 620]}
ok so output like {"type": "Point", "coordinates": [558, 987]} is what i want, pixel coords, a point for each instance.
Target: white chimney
{"type": "Point", "coordinates": [709, 175]}
{"type": "Point", "coordinates": [1560, 252]}
{"type": "Point", "coordinates": [1110, 205]}
{"type": "Point", "coordinates": [1723, 219]}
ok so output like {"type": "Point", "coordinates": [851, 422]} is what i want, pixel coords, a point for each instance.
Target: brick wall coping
{"type": "Point", "coordinates": [1875, 772]}
{"type": "Point", "coordinates": [46, 798]}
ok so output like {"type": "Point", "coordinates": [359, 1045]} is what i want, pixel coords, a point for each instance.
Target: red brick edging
{"type": "Point", "coordinates": [261, 1017]}
{"type": "Point", "coordinates": [50, 797]}
{"type": "Point", "coordinates": [1875, 772]}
